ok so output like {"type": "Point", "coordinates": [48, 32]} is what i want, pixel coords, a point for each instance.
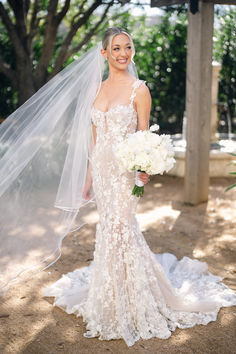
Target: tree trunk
{"type": "Point", "coordinates": [25, 82]}
{"type": "Point", "coordinates": [23, 78]}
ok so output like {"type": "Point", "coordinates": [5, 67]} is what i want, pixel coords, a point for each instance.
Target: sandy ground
{"type": "Point", "coordinates": [29, 324]}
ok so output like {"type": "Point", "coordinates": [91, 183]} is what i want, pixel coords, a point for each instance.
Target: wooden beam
{"type": "Point", "coordinates": [160, 3]}
{"type": "Point", "coordinates": [198, 103]}
{"type": "Point", "coordinates": [222, 2]}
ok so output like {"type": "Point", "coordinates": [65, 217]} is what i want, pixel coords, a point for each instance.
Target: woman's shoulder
{"type": "Point", "coordinates": [142, 89]}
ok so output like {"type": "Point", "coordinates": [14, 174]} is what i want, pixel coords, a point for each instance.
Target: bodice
{"type": "Point", "coordinates": [117, 121]}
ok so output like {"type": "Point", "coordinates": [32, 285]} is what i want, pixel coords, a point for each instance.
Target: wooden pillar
{"type": "Point", "coordinates": [198, 103]}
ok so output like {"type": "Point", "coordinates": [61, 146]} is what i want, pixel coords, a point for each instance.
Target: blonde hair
{"type": "Point", "coordinates": [110, 33]}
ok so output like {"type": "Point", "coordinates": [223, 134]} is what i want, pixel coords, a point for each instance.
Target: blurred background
{"type": "Point", "coordinates": [39, 38]}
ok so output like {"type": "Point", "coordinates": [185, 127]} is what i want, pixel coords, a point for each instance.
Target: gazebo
{"type": "Point", "coordinates": [198, 94]}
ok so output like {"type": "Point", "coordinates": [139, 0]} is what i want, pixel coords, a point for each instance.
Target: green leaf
{"type": "Point", "coordinates": [138, 191]}
{"type": "Point", "coordinates": [230, 187]}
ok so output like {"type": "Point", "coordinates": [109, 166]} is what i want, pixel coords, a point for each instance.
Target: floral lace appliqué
{"type": "Point", "coordinates": [127, 291]}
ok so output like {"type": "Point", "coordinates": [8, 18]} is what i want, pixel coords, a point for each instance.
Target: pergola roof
{"type": "Point", "coordinates": [193, 3]}
{"type": "Point", "coordinates": [159, 3]}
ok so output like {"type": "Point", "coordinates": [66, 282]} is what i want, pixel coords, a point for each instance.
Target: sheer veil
{"type": "Point", "coordinates": [44, 150]}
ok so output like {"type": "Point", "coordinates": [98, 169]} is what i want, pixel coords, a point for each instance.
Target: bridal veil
{"type": "Point", "coordinates": [44, 155]}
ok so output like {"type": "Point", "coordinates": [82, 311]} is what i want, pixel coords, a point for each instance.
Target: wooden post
{"type": "Point", "coordinates": [198, 103]}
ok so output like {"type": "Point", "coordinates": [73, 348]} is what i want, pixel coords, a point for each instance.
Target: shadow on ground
{"type": "Point", "coordinates": [29, 324]}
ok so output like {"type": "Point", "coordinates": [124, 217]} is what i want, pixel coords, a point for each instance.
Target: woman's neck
{"type": "Point", "coordinates": [118, 75]}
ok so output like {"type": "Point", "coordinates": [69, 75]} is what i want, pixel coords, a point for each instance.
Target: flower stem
{"type": "Point", "coordinates": [138, 191]}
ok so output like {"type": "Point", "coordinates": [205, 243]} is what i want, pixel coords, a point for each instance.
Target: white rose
{"type": "Point", "coordinates": [154, 128]}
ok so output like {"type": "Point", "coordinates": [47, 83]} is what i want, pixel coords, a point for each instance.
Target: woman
{"type": "Point", "coordinates": [127, 291]}
{"type": "Point", "coordinates": [51, 169]}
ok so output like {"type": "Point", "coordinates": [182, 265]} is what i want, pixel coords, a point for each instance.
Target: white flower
{"type": "Point", "coordinates": [146, 151]}
{"type": "Point", "coordinates": [154, 128]}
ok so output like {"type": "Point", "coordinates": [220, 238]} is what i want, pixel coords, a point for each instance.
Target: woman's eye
{"type": "Point", "coordinates": [116, 49]}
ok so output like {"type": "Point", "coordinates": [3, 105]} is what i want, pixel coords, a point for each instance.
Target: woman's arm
{"type": "Point", "coordinates": [94, 133]}
{"type": "Point", "coordinates": [143, 102]}
{"type": "Point", "coordinates": [88, 182]}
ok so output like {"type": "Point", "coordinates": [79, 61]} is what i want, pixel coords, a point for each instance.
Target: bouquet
{"type": "Point", "coordinates": [145, 151]}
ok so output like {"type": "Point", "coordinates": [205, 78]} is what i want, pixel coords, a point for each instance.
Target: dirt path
{"type": "Point", "coordinates": [29, 324]}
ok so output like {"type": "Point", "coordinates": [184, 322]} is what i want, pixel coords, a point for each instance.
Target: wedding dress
{"type": "Point", "coordinates": [128, 291]}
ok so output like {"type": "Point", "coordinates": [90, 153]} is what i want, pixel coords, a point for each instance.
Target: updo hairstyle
{"type": "Point", "coordinates": [110, 33]}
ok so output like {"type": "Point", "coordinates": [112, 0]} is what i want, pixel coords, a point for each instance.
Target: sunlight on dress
{"type": "Point", "coordinates": [128, 291]}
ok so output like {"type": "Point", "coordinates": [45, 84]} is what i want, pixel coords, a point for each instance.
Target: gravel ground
{"type": "Point", "coordinates": [29, 324]}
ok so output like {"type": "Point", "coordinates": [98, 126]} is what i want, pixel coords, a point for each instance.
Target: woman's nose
{"type": "Point", "coordinates": [123, 52]}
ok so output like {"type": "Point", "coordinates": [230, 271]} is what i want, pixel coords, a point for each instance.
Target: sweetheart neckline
{"type": "Point", "coordinates": [120, 105]}
{"type": "Point", "coordinates": [112, 108]}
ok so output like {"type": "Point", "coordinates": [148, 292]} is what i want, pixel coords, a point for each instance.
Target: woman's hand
{"type": "Point", "coordinates": [144, 177]}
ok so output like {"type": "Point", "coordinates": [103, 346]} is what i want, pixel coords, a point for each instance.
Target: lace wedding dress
{"type": "Point", "coordinates": [128, 291]}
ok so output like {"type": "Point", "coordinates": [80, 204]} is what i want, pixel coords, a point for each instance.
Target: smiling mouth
{"type": "Point", "coordinates": [122, 61]}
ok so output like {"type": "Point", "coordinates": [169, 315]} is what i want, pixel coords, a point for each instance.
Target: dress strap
{"type": "Point", "coordinates": [136, 84]}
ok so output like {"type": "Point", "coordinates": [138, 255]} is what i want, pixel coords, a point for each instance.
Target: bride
{"type": "Point", "coordinates": [127, 291]}
{"type": "Point", "coordinates": [58, 157]}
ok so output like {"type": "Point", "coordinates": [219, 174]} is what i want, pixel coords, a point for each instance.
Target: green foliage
{"type": "Point", "coordinates": [225, 52]}
{"type": "Point", "coordinates": [161, 60]}
{"type": "Point", "coordinates": [8, 96]}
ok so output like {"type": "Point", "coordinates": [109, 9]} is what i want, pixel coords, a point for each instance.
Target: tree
{"type": "Point", "coordinates": [161, 60]}
{"type": "Point", "coordinates": [36, 50]}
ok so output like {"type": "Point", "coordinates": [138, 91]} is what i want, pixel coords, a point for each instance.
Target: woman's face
{"type": "Point", "coordinates": [120, 53]}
